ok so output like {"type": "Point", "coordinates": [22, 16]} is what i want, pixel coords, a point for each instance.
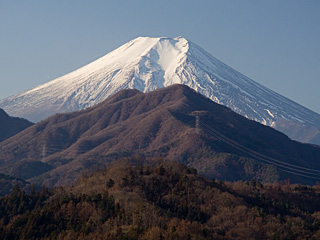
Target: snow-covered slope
{"type": "Point", "coordinates": [150, 63]}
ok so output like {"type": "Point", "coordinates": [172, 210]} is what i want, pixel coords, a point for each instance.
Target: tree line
{"type": "Point", "coordinates": [156, 199]}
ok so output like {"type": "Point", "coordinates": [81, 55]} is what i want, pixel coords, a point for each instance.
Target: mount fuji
{"type": "Point", "coordinates": [147, 64]}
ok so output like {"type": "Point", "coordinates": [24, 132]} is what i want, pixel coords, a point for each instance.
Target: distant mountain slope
{"type": "Point", "coordinates": [150, 63]}
{"type": "Point", "coordinates": [222, 144]}
{"type": "Point", "coordinates": [10, 126]}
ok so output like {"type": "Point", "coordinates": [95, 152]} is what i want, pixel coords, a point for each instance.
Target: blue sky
{"type": "Point", "coordinates": [276, 43]}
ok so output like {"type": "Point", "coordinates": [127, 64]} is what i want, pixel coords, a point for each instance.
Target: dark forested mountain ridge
{"type": "Point", "coordinates": [10, 126]}
{"type": "Point", "coordinates": [174, 122]}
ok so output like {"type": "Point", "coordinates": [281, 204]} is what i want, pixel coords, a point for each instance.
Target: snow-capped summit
{"type": "Point", "coordinates": [149, 63]}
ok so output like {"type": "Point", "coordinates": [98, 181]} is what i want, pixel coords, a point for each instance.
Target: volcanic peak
{"type": "Point", "coordinates": [147, 64]}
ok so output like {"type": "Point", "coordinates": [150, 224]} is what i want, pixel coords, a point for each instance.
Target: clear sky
{"type": "Point", "coordinates": [274, 42]}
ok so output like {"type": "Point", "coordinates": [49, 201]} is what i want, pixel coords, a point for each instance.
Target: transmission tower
{"type": "Point", "coordinates": [197, 124]}
{"type": "Point", "coordinates": [44, 151]}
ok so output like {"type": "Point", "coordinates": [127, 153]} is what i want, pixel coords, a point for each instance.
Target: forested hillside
{"type": "Point", "coordinates": [138, 199]}
{"type": "Point", "coordinates": [9, 126]}
{"type": "Point", "coordinates": [222, 144]}
{"type": "Point", "coordinates": [8, 182]}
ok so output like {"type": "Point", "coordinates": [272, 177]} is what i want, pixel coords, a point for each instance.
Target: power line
{"type": "Point", "coordinates": [286, 167]}
{"type": "Point", "coordinates": [259, 154]}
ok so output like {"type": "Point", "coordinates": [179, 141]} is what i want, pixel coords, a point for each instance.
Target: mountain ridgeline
{"type": "Point", "coordinates": [10, 126]}
{"type": "Point", "coordinates": [147, 64]}
{"type": "Point", "coordinates": [176, 123]}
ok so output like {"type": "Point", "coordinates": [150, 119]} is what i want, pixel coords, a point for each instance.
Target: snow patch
{"type": "Point", "coordinates": [269, 113]}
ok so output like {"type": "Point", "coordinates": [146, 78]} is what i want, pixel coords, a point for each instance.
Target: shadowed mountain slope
{"type": "Point", "coordinates": [174, 122]}
{"type": "Point", "coordinates": [10, 126]}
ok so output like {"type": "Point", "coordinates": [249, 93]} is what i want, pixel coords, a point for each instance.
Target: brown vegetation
{"type": "Point", "coordinates": [159, 123]}
{"type": "Point", "coordinates": [138, 199]}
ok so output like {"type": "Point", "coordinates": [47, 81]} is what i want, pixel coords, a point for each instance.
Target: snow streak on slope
{"type": "Point", "coordinates": [150, 63]}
